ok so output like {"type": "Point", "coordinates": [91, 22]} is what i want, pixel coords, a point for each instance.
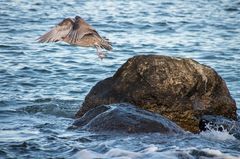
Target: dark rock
{"type": "Point", "coordinates": [125, 118]}
{"type": "Point", "coordinates": [180, 89]}
{"type": "Point", "coordinates": [219, 123]}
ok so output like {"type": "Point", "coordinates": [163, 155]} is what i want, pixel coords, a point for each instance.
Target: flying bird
{"type": "Point", "coordinates": [77, 32]}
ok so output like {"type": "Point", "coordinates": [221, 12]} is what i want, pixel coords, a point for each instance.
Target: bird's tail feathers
{"type": "Point", "coordinates": [106, 44]}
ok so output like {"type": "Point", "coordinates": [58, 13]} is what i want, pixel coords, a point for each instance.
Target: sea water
{"type": "Point", "coordinates": [43, 85]}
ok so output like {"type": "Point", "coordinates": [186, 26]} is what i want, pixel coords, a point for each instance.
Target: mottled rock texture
{"type": "Point", "coordinates": [180, 89]}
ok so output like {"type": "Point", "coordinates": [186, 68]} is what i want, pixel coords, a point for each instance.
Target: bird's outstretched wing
{"type": "Point", "coordinates": [59, 32]}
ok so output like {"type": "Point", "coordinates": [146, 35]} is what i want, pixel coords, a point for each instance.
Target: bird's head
{"type": "Point", "coordinates": [78, 18]}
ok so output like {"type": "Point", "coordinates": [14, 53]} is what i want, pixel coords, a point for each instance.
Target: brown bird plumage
{"type": "Point", "coordinates": [77, 32]}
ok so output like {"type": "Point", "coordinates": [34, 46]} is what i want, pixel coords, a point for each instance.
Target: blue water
{"type": "Point", "coordinates": [43, 85]}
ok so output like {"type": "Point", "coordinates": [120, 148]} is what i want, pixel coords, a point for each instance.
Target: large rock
{"type": "Point", "coordinates": [125, 118]}
{"type": "Point", "coordinates": [180, 89]}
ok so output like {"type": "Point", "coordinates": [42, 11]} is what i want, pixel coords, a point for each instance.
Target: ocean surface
{"type": "Point", "coordinates": [43, 85]}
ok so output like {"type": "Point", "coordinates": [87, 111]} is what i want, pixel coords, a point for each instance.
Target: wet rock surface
{"type": "Point", "coordinates": [180, 89]}
{"type": "Point", "coordinates": [125, 118]}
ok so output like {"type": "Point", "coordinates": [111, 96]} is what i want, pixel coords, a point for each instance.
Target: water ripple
{"type": "Point", "coordinates": [43, 85]}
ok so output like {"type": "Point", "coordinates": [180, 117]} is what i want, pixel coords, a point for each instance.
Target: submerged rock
{"type": "Point", "coordinates": [125, 118]}
{"type": "Point", "coordinates": [180, 89]}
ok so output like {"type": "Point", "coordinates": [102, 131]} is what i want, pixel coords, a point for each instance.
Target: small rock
{"type": "Point", "coordinates": [125, 118]}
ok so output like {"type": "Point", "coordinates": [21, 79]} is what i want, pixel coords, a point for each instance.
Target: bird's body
{"type": "Point", "coordinates": [77, 32]}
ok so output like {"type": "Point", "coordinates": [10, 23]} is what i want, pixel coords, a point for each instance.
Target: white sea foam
{"type": "Point", "coordinates": [152, 148]}
{"type": "Point", "coordinates": [152, 152]}
{"type": "Point", "coordinates": [117, 153]}
{"type": "Point", "coordinates": [114, 153]}
{"type": "Point", "coordinates": [219, 154]}
{"type": "Point", "coordinates": [214, 134]}
{"type": "Point", "coordinates": [87, 154]}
